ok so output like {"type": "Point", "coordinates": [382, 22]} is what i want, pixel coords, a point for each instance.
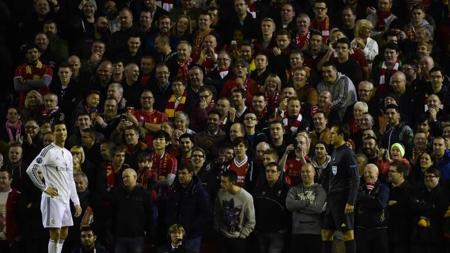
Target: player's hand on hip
{"type": "Point", "coordinates": [349, 208]}
{"type": "Point", "coordinates": [51, 191]}
{"type": "Point", "coordinates": [78, 211]}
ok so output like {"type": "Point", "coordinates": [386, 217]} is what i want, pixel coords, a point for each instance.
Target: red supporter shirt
{"type": "Point", "coordinates": [292, 169]}
{"type": "Point", "coordinates": [154, 117]}
{"type": "Point", "coordinates": [28, 72]}
{"type": "Point", "coordinates": [241, 169]}
{"type": "Point", "coordinates": [164, 165]}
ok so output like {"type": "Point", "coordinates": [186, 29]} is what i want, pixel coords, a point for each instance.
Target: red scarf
{"type": "Point", "coordinates": [172, 105]}
{"type": "Point", "coordinates": [381, 16]}
{"type": "Point", "coordinates": [301, 40]}
{"type": "Point", "coordinates": [110, 176]}
{"type": "Point", "coordinates": [292, 124]}
{"type": "Point", "coordinates": [183, 68]}
{"type": "Point", "coordinates": [273, 100]}
{"type": "Point", "coordinates": [10, 127]}
{"type": "Point", "coordinates": [262, 115]}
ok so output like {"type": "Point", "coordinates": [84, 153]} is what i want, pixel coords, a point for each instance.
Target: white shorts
{"type": "Point", "coordinates": [55, 213]}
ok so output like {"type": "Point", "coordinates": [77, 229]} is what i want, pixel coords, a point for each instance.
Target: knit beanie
{"type": "Point", "coordinates": [400, 147]}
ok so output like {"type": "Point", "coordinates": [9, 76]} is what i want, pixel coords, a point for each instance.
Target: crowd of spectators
{"type": "Point", "coordinates": [231, 125]}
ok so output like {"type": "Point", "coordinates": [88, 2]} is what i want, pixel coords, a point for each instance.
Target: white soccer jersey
{"type": "Point", "coordinates": [57, 169]}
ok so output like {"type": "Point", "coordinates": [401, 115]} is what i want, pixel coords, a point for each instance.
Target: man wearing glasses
{"type": "Point", "coordinates": [399, 208]}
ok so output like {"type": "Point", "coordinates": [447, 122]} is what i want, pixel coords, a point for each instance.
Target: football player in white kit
{"type": "Point", "coordinates": [58, 187]}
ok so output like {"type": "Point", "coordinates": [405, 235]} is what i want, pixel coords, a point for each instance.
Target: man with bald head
{"type": "Point", "coordinates": [133, 214]}
{"type": "Point", "coordinates": [426, 63]}
{"type": "Point", "coordinates": [370, 214]}
{"type": "Point", "coordinates": [132, 89]}
{"type": "Point", "coordinates": [102, 77]}
{"type": "Point", "coordinates": [366, 93]}
{"type": "Point", "coordinates": [324, 104]}
{"type": "Point", "coordinates": [403, 94]}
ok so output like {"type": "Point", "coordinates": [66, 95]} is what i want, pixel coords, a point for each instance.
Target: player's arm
{"type": "Point", "coordinates": [73, 189]}
{"type": "Point", "coordinates": [352, 168]}
{"type": "Point", "coordinates": [33, 171]}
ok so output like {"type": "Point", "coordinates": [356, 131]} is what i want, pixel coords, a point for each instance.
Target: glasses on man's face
{"type": "Point", "coordinates": [430, 176]}
{"type": "Point", "coordinates": [31, 127]}
{"type": "Point", "coordinates": [204, 96]}
{"type": "Point", "coordinates": [198, 155]}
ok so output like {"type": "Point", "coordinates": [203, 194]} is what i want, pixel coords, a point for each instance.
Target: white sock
{"type": "Point", "coordinates": [59, 246]}
{"type": "Point", "coordinates": [52, 248]}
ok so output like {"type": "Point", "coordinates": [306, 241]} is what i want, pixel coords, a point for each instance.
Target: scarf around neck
{"type": "Point", "coordinates": [381, 17]}
{"type": "Point", "coordinates": [384, 69]}
{"type": "Point", "coordinates": [10, 127]}
{"type": "Point", "coordinates": [175, 104]}
{"type": "Point", "coordinates": [293, 124]}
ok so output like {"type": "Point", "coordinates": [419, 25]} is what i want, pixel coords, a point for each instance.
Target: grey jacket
{"type": "Point", "coordinates": [306, 205]}
{"type": "Point", "coordinates": [342, 91]}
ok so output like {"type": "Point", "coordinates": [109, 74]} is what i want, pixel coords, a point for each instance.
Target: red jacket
{"type": "Point", "coordinates": [12, 229]}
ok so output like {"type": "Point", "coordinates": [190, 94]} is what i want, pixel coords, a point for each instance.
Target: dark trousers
{"type": "Point", "coordinates": [399, 247]}
{"type": "Point", "coordinates": [129, 245]}
{"type": "Point", "coordinates": [271, 242]}
{"type": "Point", "coordinates": [372, 240]}
{"type": "Point", "coordinates": [306, 243]}
{"type": "Point", "coordinates": [427, 248]}
{"type": "Point", "coordinates": [8, 247]}
{"type": "Point", "coordinates": [234, 245]}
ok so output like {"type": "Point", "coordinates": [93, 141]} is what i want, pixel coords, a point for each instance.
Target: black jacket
{"type": "Point", "coordinates": [270, 209]}
{"type": "Point", "coordinates": [132, 212]}
{"type": "Point", "coordinates": [399, 213]}
{"type": "Point", "coordinates": [432, 206]}
{"type": "Point", "coordinates": [189, 207]}
{"type": "Point", "coordinates": [371, 206]}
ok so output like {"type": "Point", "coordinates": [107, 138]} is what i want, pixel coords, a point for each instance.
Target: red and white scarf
{"type": "Point", "coordinates": [301, 40]}
{"type": "Point", "coordinates": [293, 124]}
{"type": "Point", "coordinates": [13, 127]}
{"type": "Point", "coordinates": [384, 70]}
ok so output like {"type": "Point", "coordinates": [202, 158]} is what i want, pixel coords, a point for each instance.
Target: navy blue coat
{"type": "Point", "coordinates": [189, 207]}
